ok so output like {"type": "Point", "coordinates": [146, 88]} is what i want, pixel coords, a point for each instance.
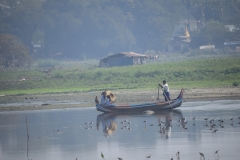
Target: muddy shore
{"type": "Point", "coordinates": [86, 99]}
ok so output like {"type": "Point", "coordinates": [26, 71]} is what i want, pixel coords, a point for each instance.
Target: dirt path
{"type": "Point", "coordinates": [86, 99]}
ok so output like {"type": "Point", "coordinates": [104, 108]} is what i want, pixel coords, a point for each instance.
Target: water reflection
{"type": "Point", "coordinates": [72, 133]}
{"type": "Point", "coordinates": [166, 125]}
{"type": "Point", "coordinates": [109, 124]}
{"type": "Point", "coordinates": [109, 121]}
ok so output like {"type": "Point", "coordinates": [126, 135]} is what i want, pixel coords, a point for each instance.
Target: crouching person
{"type": "Point", "coordinates": [108, 101]}
{"type": "Point", "coordinates": [103, 98]}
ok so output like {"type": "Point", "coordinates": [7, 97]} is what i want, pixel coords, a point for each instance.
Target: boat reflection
{"type": "Point", "coordinates": [165, 120]}
{"type": "Point", "coordinates": [109, 121]}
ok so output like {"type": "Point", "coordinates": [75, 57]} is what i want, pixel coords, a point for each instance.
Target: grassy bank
{"type": "Point", "coordinates": [204, 73]}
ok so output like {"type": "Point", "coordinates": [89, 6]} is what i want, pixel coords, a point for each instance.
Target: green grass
{"type": "Point", "coordinates": [204, 73]}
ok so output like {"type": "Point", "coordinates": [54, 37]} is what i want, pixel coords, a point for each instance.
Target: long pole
{"type": "Point", "coordinates": [27, 135]}
{"type": "Point", "coordinates": [158, 92]}
{"type": "Point", "coordinates": [27, 127]}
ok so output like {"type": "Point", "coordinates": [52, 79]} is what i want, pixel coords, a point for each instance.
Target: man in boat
{"type": "Point", "coordinates": [166, 93]}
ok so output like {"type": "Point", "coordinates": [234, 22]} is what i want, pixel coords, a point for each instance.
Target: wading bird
{"type": "Point", "coordinates": [183, 119]}
{"type": "Point", "coordinates": [216, 152]}
{"type": "Point", "coordinates": [194, 118]}
{"type": "Point", "coordinates": [121, 123]}
{"type": "Point", "coordinates": [145, 121]}
{"type": "Point", "coordinates": [102, 155]}
{"type": "Point", "coordinates": [212, 121]}
{"type": "Point", "coordinates": [178, 154]}
{"type": "Point", "coordinates": [214, 130]}
{"type": "Point", "coordinates": [202, 155]}
{"type": "Point", "coordinates": [232, 119]}
{"type": "Point", "coordinates": [147, 157]}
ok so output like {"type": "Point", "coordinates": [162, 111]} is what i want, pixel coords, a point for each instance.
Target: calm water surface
{"type": "Point", "coordinates": [63, 134]}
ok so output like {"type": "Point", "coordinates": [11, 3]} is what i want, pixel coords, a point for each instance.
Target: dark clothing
{"type": "Point", "coordinates": [166, 96]}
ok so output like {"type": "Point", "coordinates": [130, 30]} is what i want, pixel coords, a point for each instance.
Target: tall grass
{"type": "Point", "coordinates": [204, 73]}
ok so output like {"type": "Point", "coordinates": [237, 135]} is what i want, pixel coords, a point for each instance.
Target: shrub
{"type": "Point", "coordinates": [234, 70]}
{"type": "Point", "coordinates": [196, 52]}
{"type": "Point", "coordinates": [47, 63]}
{"type": "Point", "coordinates": [235, 84]}
{"type": "Point", "coordinates": [58, 75]}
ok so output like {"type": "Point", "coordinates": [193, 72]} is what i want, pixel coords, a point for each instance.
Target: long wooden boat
{"type": "Point", "coordinates": [153, 106]}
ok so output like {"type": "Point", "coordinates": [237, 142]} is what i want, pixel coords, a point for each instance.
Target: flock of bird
{"type": "Point", "coordinates": [214, 126]}
{"type": "Point", "coordinates": [183, 121]}
{"type": "Point", "coordinates": [89, 125]}
{"type": "Point", "coordinates": [177, 156]}
{"type": "Point", "coordinates": [210, 122]}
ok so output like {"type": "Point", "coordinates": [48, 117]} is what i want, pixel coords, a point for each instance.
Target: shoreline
{"type": "Point", "coordinates": [86, 99]}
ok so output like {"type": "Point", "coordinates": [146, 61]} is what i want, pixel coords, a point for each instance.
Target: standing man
{"type": "Point", "coordinates": [166, 93]}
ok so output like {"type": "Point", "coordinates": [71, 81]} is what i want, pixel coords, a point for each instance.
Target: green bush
{"type": "Point", "coordinates": [234, 70]}
{"type": "Point", "coordinates": [58, 75]}
{"type": "Point", "coordinates": [48, 63]}
{"type": "Point", "coordinates": [235, 84]}
{"type": "Point", "coordinates": [196, 52]}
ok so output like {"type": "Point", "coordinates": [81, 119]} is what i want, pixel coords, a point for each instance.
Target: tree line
{"type": "Point", "coordinates": [97, 28]}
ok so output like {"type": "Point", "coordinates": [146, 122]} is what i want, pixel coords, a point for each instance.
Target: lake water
{"type": "Point", "coordinates": [63, 134]}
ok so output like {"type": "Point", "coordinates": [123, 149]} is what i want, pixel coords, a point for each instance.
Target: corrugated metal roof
{"type": "Point", "coordinates": [132, 54]}
{"type": "Point", "coordinates": [125, 54]}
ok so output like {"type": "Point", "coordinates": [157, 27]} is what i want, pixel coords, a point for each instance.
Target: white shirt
{"type": "Point", "coordinates": [103, 100]}
{"type": "Point", "coordinates": [165, 87]}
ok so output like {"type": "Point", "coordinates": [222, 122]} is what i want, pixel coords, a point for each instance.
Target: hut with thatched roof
{"type": "Point", "coordinates": [123, 59]}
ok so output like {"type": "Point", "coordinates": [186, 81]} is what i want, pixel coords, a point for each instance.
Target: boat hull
{"type": "Point", "coordinates": [153, 106]}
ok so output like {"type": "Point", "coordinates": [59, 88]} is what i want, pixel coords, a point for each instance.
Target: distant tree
{"type": "Point", "coordinates": [155, 21]}
{"type": "Point", "coordinates": [13, 52]}
{"type": "Point", "coordinates": [70, 28]}
{"type": "Point", "coordinates": [214, 33]}
{"type": "Point", "coordinates": [231, 12]}
{"type": "Point", "coordinates": [23, 19]}
{"type": "Point", "coordinates": [87, 29]}
{"type": "Point", "coordinates": [188, 4]}
{"type": "Point", "coordinates": [217, 10]}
